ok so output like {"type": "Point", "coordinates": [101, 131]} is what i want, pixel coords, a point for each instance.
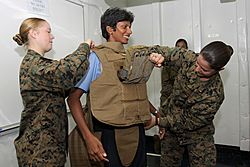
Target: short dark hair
{"type": "Point", "coordinates": [112, 16]}
{"type": "Point", "coordinates": [217, 54]}
{"type": "Point", "coordinates": [181, 40]}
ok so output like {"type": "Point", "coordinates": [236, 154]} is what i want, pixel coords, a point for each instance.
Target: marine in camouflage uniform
{"type": "Point", "coordinates": [44, 84]}
{"type": "Point", "coordinates": [188, 111]}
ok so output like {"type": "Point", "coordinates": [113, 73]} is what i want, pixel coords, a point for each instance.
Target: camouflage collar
{"type": "Point", "coordinates": [32, 52]}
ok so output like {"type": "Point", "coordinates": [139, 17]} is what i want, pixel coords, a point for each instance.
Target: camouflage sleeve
{"type": "Point", "coordinates": [66, 72]}
{"type": "Point", "coordinates": [199, 115]}
{"type": "Point", "coordinates": [173, 56]}
{"type": "Point", "coordinates": [167, 81]}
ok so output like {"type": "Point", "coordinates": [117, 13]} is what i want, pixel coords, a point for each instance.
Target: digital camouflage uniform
{"type": "Point", "coordinates": [168, 74]}
{"type": "Point", "coordinates": [188, 111]}
{"type": "Point", "coordinates": [44, 83]}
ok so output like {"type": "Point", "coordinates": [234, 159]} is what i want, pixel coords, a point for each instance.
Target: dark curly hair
{"type": "Point", "coordinates": [182, 40]}
{"type": "Point", "coordinates": [112, 16]}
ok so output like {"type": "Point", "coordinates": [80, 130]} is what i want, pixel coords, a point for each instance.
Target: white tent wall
{"type": "Point", "coordinates": [243, 12]}
{"type": "Point", "coordinates": [198, 21]}
{"type": "Point", "coordinates": [246, 137]}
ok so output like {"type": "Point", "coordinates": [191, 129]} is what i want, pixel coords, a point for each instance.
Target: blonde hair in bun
{"type": "Point", "coordinates": [30, 23]}
{"type": "Point", "coordinates": [18, 39]}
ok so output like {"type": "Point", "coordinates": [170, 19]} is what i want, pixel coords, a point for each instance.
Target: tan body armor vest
{"type": "Point", "coordinates": [113, 102]}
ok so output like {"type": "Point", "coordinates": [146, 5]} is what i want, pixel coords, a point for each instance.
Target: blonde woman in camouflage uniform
{"type": "Point", "coordinates": [187, 114]}
{"type": "Point", "coordinates": [44, 84]}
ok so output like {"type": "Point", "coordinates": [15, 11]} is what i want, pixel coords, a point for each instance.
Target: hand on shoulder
{"type": "Point", "coordinates": [90, 42]}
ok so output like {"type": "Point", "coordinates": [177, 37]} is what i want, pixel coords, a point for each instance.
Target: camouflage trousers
{"type": "Point", "coordinates": [200, 153]}
{"type": "Point", "coordinates": [43, 152]}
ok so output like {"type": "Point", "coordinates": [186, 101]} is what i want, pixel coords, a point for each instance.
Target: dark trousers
{"type": "Point", "coordinates": [109, 144]}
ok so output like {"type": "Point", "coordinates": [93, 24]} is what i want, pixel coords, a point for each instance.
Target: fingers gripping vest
{"type": "Point", "coordinates": [113, 102]}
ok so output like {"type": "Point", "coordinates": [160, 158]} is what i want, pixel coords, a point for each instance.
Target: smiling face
{"type": "Point", "coordinates": [121, 33]}
{"type": "Point", "coordinates": [203, 68]}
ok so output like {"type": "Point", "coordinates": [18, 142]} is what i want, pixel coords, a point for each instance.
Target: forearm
{"type": "Point", "coordinates": [66, 72]}
{"type": "Point", "coordinates": [79, 117]}
{"type": "Point", "coordinates": [187, 120]}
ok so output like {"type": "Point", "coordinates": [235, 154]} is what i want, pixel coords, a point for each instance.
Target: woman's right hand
{"type": "Point", "coordinates": [95, 149]}
{"type": "Point", "coordinates": [90, 43]}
